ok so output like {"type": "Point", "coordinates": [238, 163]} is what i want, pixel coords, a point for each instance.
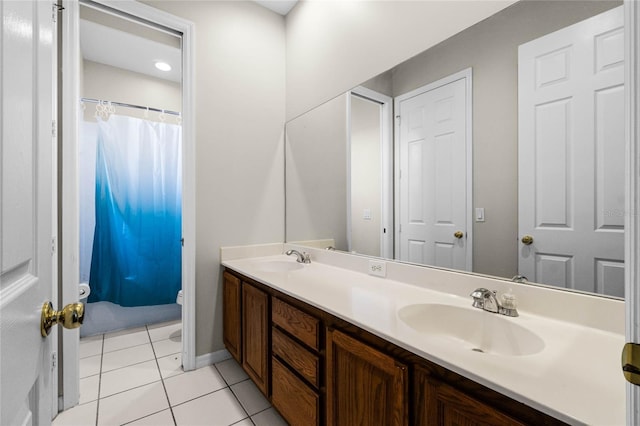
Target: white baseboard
{"type": "Point", "coordinates": [212, 358]}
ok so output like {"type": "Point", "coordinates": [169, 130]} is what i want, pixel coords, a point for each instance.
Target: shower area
{"type": "Point", "coordinates": [129, 172]}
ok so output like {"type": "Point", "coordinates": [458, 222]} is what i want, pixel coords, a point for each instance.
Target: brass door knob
{"type": "Point", "coordinates": [458, 234]}
{"type": "Point", "coordinates": [527, 239]}
{"type": "Point", "coordinates": [71, 316]}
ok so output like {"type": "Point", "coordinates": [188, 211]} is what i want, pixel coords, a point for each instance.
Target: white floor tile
{"type": "Point", "coordinates": [245, 422]}
{"type": "Point", "coordinates": [90, 346]}
{"type": "Point", "coordinates": [231, 371]}
{"type": "Point", "coordinates": [125, 339]}
{"type": "Point", "coordinates": [132, 405]}
{"type": "Point", "coordinates": [219, 408]}
{"type": "Point", "coordinates": [170, 365]}
{"type": "Point", "coordinates": [268, 417]}
{"type": "Point", "coordinates": [167, 347]}
{"type": "Point", "coordinates": [163, 418]}
{"type": "Point", "coordinates": [90, 366]}
{"type": "Point", "coordinates": [166, 330]}
{"type": "Point", "coordinates": [125, 357]}
{"type": "Point", "coordinates": [128, 377]}
{"type": "Point", "coordinates": [80, 415]}
{"type": "Point", "coordinates": [89, 389]}
{"type": "Point", "coordinates": [193, 384]}
{"type": "Point", "coordinates": [250, 397]}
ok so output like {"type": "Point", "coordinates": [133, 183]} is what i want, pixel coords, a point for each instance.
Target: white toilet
{"type": "Point", "coordinates": [84, 291]}
{"type": "Point", "coordinates": [179, 298]}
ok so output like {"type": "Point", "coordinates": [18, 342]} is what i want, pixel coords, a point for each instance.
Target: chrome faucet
{"type": "Point", "coordinates": [487, 300]}
{"type": "Point", "coordinates": [302, 257]}
{"type": "Point", "coordinates": [519, 279]}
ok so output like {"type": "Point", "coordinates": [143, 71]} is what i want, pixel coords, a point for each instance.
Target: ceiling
{"type": "Point", "coordinates": [104, 45]}
{"type": "Point", "coordinates": [279, 6]}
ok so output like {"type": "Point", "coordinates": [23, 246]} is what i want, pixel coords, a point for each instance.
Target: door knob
{"type": "Point", "coordinates": [71, 316]}
{"type": "Point", "coordinates": [631, 362]}
{"type": "Point", "coordinates": [527, 240]}
{"type": "Point", "coordinates": [458, 234]}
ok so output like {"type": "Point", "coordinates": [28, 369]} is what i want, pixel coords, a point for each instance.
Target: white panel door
{"type": "Point", "coordinates": [571, 156]}
{"type": "Point", "coordinates": [433, 176]}
{"type": "Point", "coordinates": [26, 214]}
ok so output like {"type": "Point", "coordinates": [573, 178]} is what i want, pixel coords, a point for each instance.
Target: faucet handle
{"type": "Point", "coordinates": [305, 257]}
{"type": "Point", "coordinates": [478, 297]}
{"type": "Point", "coordinates": [479, 293]}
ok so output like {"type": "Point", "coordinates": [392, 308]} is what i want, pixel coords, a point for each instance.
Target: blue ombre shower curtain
{"type": "Point", "coordinates": [136, 259]}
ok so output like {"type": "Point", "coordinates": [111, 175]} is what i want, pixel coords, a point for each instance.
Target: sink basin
{"type": "Point", "coordinates": [279, 266]}
{"type": "Point", "coordinates": [474, 329]}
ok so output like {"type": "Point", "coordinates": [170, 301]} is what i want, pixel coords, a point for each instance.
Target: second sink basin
{"type": "Point", "coordinates": [475, 329]}
{"type": "Point", "coordinates": [279, 266]}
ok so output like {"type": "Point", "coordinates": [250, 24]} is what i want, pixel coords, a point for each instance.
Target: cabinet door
{"type": "Point", "coordinates": [438, 404]}
{"type": "Point", "coordinates": [231, 322]}
{"type": "Point", "coordinates": [364, 386]}
{"type": "Point", "coordinates": [255, 335]}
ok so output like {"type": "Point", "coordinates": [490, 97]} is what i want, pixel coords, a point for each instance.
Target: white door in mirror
{"type": "Point", "coordinates": [571, 156]}
{"type": "Point", "coordinates": [432, 141]}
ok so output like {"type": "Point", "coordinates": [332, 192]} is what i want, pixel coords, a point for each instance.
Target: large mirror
{"type": "Point", "coordinates": [499, 151]}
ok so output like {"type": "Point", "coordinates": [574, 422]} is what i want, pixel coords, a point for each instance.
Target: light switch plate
{"type": "Point", "coordinates": [378, 268]}
{"type": "Point", "coordinates": [366, 214]}
{"type": "Point", "coordinates": [479, 214]}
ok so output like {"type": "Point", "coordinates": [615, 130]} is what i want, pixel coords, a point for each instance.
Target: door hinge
{"type": "Point", "coordinates": [54, 360]}
{"type": "Point", "coordinates": [400, 227]}
{"type": "Point", "coordinates": [53, 245]}
{"type": "Point", "coordinates": [398, 118]}
{"type": "Point", "coordinates": [55, 9]}
{"type": "Point", "coordinates": [182, 241]}
{"type": "Point", "coordinates": [54, 128]}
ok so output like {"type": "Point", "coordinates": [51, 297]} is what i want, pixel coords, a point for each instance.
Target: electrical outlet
{"type": "Point", "coordinates": [378, 268]}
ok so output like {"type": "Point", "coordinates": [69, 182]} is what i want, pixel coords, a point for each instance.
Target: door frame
{"type": "Point", "coordinates": [467, 75]}
{"type": "Point", "coordinates": [632, 191]}
{"type": "Point", "coordinates": [386, 166]}
{"type": "Point", "coordinates": [69, 174]}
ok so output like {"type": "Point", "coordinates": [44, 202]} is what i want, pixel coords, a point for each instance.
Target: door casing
{"type": "Point", "coordinates": [70, 100]}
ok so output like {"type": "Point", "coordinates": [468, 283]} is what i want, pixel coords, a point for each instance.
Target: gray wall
{"type": "Point", "coordinates": [316, 174]}
{"type": "Point", "coordinates": [491, 49]}
{"type": "Point", "coordinates": [240, 107]}
{"type": "Point", "coordinates": [332, 46]}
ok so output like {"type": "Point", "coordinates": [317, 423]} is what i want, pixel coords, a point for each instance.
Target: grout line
{"type": "Point", "coordinates": [166, 394]}
{"type": "Point", "coordinates": [242, 420]}
{"type": "Point", "coordinates": [240, 403]}
{"type": "Point", "coordinates": [200, 396]}
{"type": "Point", "coordinates": [99, 381]}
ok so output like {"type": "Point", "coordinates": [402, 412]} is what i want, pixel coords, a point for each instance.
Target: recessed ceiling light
{"type": "Point", "coordinates": [163, 66]}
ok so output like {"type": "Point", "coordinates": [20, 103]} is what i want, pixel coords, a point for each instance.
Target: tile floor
{"type": "Point", "coordinates": [135, 377]}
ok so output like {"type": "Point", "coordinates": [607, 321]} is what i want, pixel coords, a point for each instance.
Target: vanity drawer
{"type": "Point", "coordinates": [297, 323]}
{"type": "Point", "coordinates": [297, 357]}
{"type": "Point", "coordinates": [298, 404]}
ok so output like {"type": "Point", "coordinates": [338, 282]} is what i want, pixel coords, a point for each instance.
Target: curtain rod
{"type": "Point", "coordinates": [98, 101]}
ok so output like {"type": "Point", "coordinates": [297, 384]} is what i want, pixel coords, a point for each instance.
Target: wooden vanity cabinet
{"type": "Point", "coordinates": [231, 309]}
{"type": "Point", "coordinates": [296, 359]}
{"type": "Point", "coordinates": [364, 385]}
{"type": "Point", "coordinates": [440, 404]}
{"type": "Point", "coordinates": [318, 369]}
{"type": "Point", "coordinates": [255, 335]}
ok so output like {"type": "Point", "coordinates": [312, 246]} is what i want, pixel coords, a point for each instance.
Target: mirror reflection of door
{"type": "Point", "coordinates": [434, 156]}
{"type": "Point", "coordinates": [571, 156]}
{"type": "Point", "coordinates": [369, 217]}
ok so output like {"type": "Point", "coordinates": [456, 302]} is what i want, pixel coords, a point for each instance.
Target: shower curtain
{"type": "Point", "coordinates": [137, 249]}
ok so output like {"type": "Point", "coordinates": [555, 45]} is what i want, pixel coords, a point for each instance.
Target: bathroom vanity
{"type": "Point", "coordinates": [327, 345]}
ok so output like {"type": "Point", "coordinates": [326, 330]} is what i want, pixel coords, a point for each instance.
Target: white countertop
{"type": "Point", "coordinates": [576, 377]}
